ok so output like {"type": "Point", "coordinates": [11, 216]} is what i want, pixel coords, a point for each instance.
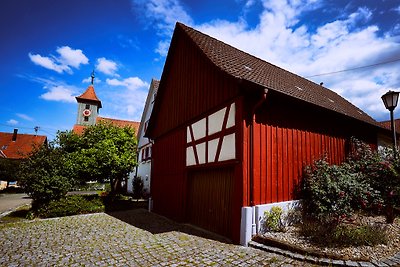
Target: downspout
{"type": "Point", "coordinates": [251, 163]}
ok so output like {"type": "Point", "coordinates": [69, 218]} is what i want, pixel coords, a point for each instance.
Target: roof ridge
{"type": "Point", "coordinates": [242, 65]}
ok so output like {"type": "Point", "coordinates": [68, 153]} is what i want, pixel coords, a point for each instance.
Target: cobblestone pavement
{"type": "Point", "coordinates": [103, 240]}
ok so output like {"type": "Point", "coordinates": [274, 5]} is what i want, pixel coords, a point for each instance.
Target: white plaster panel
{"type": "Point", "coordinates": [212, 149]}
{"type": "Point", "coordinates": [231, 116]}
{"type": "Point", "coordinates": [228, 148]}
{"type": "Point", "coordinates": [190, 159]}
{"type": "Point", "coordinates": [199, 129]}
{"type": "Point", "coordinates": [215, 121]}
{"type": "Point", "coordinates": [188, 136]}
{"type": "Point", "coordinates": [201, 152]}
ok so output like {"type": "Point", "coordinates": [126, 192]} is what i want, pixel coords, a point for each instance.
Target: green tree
{"type": "Point", "coordinates": [102, 152]}
{"type": "Point", "coordinates": [42, 175]}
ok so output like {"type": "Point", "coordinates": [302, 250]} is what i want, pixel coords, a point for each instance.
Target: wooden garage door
{"type": "Point", "coordinates": [210, 195]}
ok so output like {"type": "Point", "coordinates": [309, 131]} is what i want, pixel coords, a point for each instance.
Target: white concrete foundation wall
{"type": "Point", "coordinates": [251, 218]}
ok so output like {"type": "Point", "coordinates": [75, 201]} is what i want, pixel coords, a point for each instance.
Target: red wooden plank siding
{"type": "Point", "coordinates": [188, 95]}
{"type": "Point", "coordinates": [168, 181]}
{"type": "Point", "coordinates": [280, 156]}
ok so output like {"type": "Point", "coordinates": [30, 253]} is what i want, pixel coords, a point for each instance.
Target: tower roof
{"type": "Point", "coordinates": [90, 95]}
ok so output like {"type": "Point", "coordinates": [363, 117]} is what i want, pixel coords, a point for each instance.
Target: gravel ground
{"type": "Point", "coordinates": [378, 252]}
{"type": "Point", "coordinates": [117, 240]}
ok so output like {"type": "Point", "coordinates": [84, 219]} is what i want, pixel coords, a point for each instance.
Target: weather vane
{"type": "Point", "coordinates": [92, 76]}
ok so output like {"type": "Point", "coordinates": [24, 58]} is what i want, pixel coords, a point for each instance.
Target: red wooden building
{"type": "Point", "coordinates": [232, 131]}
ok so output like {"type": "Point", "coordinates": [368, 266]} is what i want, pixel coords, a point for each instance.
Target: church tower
{"type": "Point", "coordinates": [88, 106]}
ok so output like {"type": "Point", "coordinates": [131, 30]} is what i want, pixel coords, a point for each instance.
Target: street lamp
{"type": "Point", "coordinates": [390, 100]}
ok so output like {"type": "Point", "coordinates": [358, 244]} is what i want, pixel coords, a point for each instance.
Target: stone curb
{"type": "Point", "coordinates": [389, 262]}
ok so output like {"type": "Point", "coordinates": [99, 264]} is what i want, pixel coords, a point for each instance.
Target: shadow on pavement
{"type": "Point", "coordinates": [157, 224]}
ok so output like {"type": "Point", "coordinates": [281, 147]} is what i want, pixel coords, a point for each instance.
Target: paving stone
{"type": "Point", "coordinates": [351, 263]}
{"type": "Point", "coordinates": [390, 262]}
{"type": "Point", "coordinates": [102, 240]}
{"type": "Point", "coordinates": [365, 264]}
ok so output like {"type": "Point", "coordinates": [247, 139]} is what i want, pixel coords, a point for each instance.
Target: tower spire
{"type": "Point", "coordinates": [92, 76]}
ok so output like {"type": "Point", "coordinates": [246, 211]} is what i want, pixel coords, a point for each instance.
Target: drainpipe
{"type": "Point", "coordinates": [251, 163]}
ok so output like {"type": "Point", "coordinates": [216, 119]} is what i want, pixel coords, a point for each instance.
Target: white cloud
{"type": "Point", "coordinates": [282, 38]}
{"type": "Point", "coordinates": [107, 66]}
{"type": "Point", "coordinates": [125, 104]}
{"type": "Point", "coordinates": [71, 57]}
{"type": "Point", "coordinates": [67, 58]}
{"type": "Point", "coordinates": [131, 83]}
{"type": "Point", "coordinates": [89, 80]}
{"type": "Point", "coordinates": [57, 90]}
{"type": "Point", "coordinates": [129, 100]}
{"type": "Point", "coordinates": [12, 122]}
{"type": "Point", "coordinates": [25, 117]}
{"type": "Point", "coordinates": [162, 48]}
{"type": "Point", "coordinates": [163, 14]}
{"type": "Point", "coordinates": [60, 93]}
{"type": "Point", "coordinates": [48, 63]}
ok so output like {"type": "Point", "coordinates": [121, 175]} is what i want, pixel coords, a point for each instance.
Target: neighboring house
{"type": "Point", "coordinates": [14, 146]}
{"type": "Point", "coordinates": [144, 144]}
{"type": "Point", "coordinates": [385, 140]}
{"type": "Point", "coordinates": [233, 133]}
{"type": "Point", "coordinates": [88, 114]}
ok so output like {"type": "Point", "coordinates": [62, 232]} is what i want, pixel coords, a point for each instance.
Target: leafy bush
{"type": "Point", "coordinates": [273, 220]}
{"type": "Point", "coordinates": [367, 181]}
{"type": "Point", "coordinates": [137, 185]}
{"type": "Point", "coordinates": [332, 193]}
{"type": "Point", "coordinates": [42, 176]}
{"type": "Point", "coordinates": [71, 205]}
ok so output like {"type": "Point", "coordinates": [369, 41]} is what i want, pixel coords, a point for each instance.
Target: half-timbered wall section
{"type": "Point", "coordinates": [212, 139]}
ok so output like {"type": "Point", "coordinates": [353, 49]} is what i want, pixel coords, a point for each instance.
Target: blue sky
{"type": "Point", "coordinates": [49, 48]}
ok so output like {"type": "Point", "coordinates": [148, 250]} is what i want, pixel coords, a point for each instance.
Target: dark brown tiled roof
{"type": "Point", "coordinates": [89, 94]}
{"type": "Point", "coordinates": [245, 66]}
{"type": "Point", "coordinates": [21, 147]}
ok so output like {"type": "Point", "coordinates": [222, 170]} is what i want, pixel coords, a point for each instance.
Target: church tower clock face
{"type": "Point", "coordinates": [87, 112]}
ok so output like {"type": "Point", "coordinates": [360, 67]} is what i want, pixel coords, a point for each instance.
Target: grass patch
{"type": "Point", "coordinates": [20, 214]}
{"type": "Point", "coordinates": [345, 235]}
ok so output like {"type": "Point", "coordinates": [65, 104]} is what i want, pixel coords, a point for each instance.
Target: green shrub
{"type": "Point", "coordinates": [332, 193]}
{"type": "Point", "coordinates": [42, 176]}
{"type": "Point", "coordinates": [137, 185]}
{"type": "Point", "coordinates": [273, 220]}
{"type": "Point", "coordinates": [71, 205]}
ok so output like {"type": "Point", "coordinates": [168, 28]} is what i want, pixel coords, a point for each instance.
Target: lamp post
{"type": "Point", "coordinates": [390, 100]}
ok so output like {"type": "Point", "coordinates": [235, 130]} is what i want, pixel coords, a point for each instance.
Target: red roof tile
{"type": "Point", "coordinates": [22, 146]}
{"type": "Point", "coordinates": [89, 94]}
{"type": "Point", "coordinates": [120, 123]}
{"type": "Point", "coordinates": [387, 125]}
{"type": "Point", "coordinates": [242, 65]}
{"type": "Point", "coordinates": [79, 129]}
